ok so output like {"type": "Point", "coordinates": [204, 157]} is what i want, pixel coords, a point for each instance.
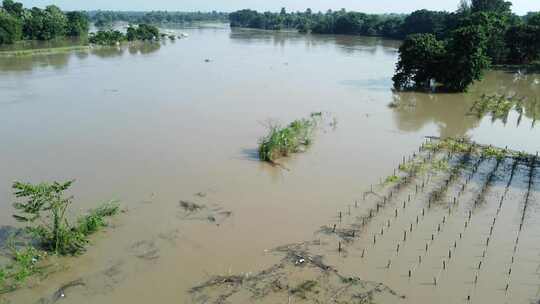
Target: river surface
{"type": "Point", "coordinates": [155, 124]}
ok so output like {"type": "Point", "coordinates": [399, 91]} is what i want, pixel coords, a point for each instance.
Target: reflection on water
{"type": "Point", "coordinates": [346, 44]}
{"type": "Point", "coordinates": [61, 60]}
{"type": "Point", "coordinates": [451, 112]}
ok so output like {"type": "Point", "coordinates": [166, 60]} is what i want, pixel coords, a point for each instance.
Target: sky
{"type": "Point", "coordinates": [367, 6]}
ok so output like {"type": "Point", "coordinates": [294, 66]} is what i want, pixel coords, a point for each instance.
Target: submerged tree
{"type": "Point", "coordinates": [419, 62]}
{"type": "Point", "coordinates": [466, 58]}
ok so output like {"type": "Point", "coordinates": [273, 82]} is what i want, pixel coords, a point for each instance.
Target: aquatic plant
{"type": "Point", "coordinates": [24, 264]}
{"type": "Point", "coordinates": [44, 207]}
{"type": "Point", "coordinates": [391, 179]}
{"type": "Point", "coordinates": [281, 142]}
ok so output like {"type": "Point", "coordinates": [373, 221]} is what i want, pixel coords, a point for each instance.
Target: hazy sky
{"type": "Point", "coordinates": [368, 6]}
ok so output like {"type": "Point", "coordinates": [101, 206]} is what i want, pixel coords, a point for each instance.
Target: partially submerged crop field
{"type": "Point", "coordinates": [454, 223]}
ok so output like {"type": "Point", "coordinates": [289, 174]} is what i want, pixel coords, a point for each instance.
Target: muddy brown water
{"type": "Point", "coordinates": [153, 125]}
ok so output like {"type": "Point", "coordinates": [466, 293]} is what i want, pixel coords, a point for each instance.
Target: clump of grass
{"type": "Point", "coordinates": [392, 179]}
{"type": "Point", "coordinates": [95, 219]}
{"type": "Point", "coordinates": [24, 264]}
{"type": "Point", "coordinates": [283, 141]}
{"type": "Point", "coordinates": [440, 165]}
{"type": "Point", "coordinates": [494, 152]}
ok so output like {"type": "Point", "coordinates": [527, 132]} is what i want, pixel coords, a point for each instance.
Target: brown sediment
{"type": "Point", "coordinates": [397, 219]}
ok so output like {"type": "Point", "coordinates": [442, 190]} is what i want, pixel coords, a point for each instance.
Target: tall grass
{"type": "Point", "coordinates": [283, 141]}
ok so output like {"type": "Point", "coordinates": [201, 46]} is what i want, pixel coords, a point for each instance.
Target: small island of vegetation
{"type": "Point", "coordinates": [142, 32]}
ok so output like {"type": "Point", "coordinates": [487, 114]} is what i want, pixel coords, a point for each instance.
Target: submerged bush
{"type": "Point", "coordinates": [25, 263]}
{"type": "Point", "coordinates": [281, 142]}
{"type": "Point", "coordinates": [107, 37]}
{"type": "Point", "coordinates": [44, 207]}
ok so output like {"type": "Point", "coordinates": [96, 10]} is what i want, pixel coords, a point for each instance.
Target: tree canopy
{"type": "Point", "coordinates": [17, 22]}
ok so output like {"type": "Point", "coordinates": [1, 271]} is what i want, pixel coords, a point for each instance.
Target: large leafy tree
{"type": "Point", "coordinates": [495, 6]}
{"type": "Point", "coordinates": [13, 8]}
{"type": "Point", "coordinates": [425, 21]}
{"type": "Point", "coordinates": [466, 58]}
{"type": "Point", "coordinates": [494, 25]}
{"type": "Point", "coordinates": [10, 28]}
{"type": "Point", "coordinates": [77, 24]}
{"type": "Point", "coordinates": [420, 58]}
{"type": "Point", "coordinates": [45, 24]}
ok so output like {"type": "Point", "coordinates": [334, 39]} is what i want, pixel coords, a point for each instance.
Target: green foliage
{"type": "Point", "coordinates": [10, 28]}
{"type": "Point", "coordinates": [103, 18]}
{"type": "Point", "coordinates": [419, 61]}
{"type": "Point", "coordinates": [428, 22]}
{"type": "Point", "coordinates": [18, 23]}
{"type": "Point", "coordinates": [524, 43]}
{"type": "Point", "coordinates": [46, 24]}
{"type": "Point", "coordinates": [110, 37]}
{"type": "Point", "coordinates": [391, 179]}
{"type": "Point", "coordinates": [95, 220]}
{"type": "Point", "coordinates": [24, 264]}
{"type": "Point", "coordinates": [496, 6]}
{"type": "Point", "coordinates": [533, 19]}
{"type": "Point", "coordinates": [440, 165]}
{"type": "Point", "coordinates": [142, 32]}
{"type": "Point", "coordinates": [466, 54]}
{"type": "Point", "coordinates": [77, 24]}
{"type": "Point", "coordinates": [493, 152]}
{"type": "Point", "coordinates": [281, 142]}
{"type": "Point", "coordinates": [44, 208]}
{"type": "Point", "coordinates": [423, 59]}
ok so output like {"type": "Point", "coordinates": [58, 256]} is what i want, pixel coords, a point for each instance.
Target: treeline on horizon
{"type": "Point", "coordinates": [449, 50]}
{"type": "Point", "coordinates": [399, 26]}
{"type": "Point", "coordinates": [103, 18]}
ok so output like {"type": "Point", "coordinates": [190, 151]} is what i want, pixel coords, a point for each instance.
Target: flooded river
{"type": "Point", "coordinates": [153, 125]}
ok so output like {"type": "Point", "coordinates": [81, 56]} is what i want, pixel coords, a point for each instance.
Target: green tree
{"type": "Point", "coordinates": [45, 206]}
{"type": "Point", "coordinates": [425, 21]}
{"type": "Point", "coordinates": [524, 43]}
{"type": "Point", "coordinates": [495, 6]}
{"type": "Point", "coordinates": [45, 24]}
{"type": "Point", "coordinates": [77, 24]}
{"type": "Point", "coordinates": [420, 58]}
{"type": "Point", "coordinates": [10, 28]}
{"type": "Point", "coordinates": [55, 23]}
{"type": "Point", "coordinates": [494, 25]}
{"type": "Point", "coordinates": [13, 8]}
{"type": "Point", "coordinates": [466, 58]}
{"type": "Point", "coordinates": [533, 19]}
